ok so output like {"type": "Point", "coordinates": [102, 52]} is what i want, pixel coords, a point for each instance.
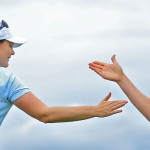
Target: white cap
{"type": "Point", "coordinates": [5, 34]}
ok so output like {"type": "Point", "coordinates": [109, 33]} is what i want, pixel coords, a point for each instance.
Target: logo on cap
{"type": "Point", "coordinates": [3, 24]}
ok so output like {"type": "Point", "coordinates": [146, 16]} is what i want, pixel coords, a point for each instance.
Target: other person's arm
{"type": "Point", "coordinates": [115, 73]}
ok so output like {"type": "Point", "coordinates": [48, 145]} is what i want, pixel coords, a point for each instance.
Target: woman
{"type": "Point", "coordinates": [115, 73]}
{"type": "Point", "coordinates": [13, 91]}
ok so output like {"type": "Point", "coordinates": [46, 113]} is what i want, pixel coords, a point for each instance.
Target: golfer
{"type": "Point", "coordinates": [14, 92]}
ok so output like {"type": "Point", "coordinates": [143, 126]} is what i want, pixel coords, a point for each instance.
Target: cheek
{"type": "Point", "coordinates": [2, 54]}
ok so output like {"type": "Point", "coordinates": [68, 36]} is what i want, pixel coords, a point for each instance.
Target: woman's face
{"type": "Point", "coordinates": [6, 50]}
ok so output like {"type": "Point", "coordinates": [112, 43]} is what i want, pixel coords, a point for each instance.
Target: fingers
{"type": "Point", "coordinates": [117, 104]}
{"type": "Point", "coordinates": [97, 70]}
{"type": "Point", "coordinates": [96, 65]}
{"type": "Point", "coordinates": [114, 109]}
{"type": "Point", "coordinates": [107, 108]}
{"type": "Point", "coordinates": [115, 112]}
{"type": "Point", "coordinates": [99, 64]}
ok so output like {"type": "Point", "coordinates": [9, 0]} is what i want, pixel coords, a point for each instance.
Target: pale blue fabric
{"type": "Point", "coordinates": [11, 88]}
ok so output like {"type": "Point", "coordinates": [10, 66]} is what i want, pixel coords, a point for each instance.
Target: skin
{"type": "Point", "coordinates": [6, 51]}
{"type": "Point", "coordinates": [34, 107]}
{"type": "Point", "coordinates": [114, 72]}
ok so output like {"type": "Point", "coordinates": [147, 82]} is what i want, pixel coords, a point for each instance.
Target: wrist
{"type": "Point", "coordinates": [98, 111]}
{"type": "Point", "coordinates": [93, 111]}
{"type": "Point", "coordinates": [122, 78]}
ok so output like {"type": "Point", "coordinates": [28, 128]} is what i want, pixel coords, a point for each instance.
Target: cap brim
{"type": "Point", "coordinates": [18, 41]}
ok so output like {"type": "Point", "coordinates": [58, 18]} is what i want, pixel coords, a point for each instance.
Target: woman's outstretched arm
{"type": "Point", "coordinates": [33, 106]}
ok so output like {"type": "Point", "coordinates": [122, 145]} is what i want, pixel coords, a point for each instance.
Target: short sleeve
{"type": "Point", "coordinates": [15, 88]}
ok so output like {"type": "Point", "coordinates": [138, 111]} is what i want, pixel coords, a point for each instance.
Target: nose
{"type": "Point", "coordinates": [13, 52]}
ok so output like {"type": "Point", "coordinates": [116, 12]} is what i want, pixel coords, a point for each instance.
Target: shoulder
{"type": "Point", "coordinates": [11, 86]}
{"type": "Point", "coordinates": [7, 78]}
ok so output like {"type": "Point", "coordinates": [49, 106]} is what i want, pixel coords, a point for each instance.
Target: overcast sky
{"type": "Point", "coordinates": [63, 37]}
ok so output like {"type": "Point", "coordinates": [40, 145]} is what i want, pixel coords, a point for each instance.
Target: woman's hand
{"type": "Point", "coordinates": [106, 108]}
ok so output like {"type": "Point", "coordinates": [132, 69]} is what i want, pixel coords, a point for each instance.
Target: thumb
{"type": "Point", "coordinates": [113, 59]}
{"type": "Point", "coordinates": [107, 97]}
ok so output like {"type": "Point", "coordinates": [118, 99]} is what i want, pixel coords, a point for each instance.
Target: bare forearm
{"type": "Point", "coordinates": [34, 107]}
{"type": "Point", "coordinates": [140, 101]}
{"type": "Point", "coordinates": [68, 114]}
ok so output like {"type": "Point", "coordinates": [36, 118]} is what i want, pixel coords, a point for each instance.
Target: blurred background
{"type": "Point", "coordinates": [64, 36]}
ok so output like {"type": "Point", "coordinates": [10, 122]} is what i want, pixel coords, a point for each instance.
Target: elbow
{"type": "Point", "coordinates": [46, 120]}
{"type": "Point", "coordinates": [42, 116]}
{"type": "Point", "coordinates": [45, 117]}
{"type": "Point", "coordinates": [43, 120]}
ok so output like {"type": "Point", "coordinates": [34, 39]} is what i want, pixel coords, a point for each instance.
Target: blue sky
{"type": "Point", "coordinates": [63, 37]}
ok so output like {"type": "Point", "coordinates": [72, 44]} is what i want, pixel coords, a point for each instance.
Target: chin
{"type": "Point", "coordinates": [5, 66]}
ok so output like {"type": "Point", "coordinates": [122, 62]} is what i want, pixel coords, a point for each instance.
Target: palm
{"type": "Point", "coordinates": [111, 72]}
{"type": "Point", "coordinates": [107, 71]}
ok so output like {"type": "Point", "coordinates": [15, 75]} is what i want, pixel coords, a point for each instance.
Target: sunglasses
{"type": "Point", "coordinates": [3, 24]}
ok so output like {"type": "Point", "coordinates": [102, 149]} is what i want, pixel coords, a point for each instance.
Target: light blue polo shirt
{"type": "Point", "coordinates": [11, 88]}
